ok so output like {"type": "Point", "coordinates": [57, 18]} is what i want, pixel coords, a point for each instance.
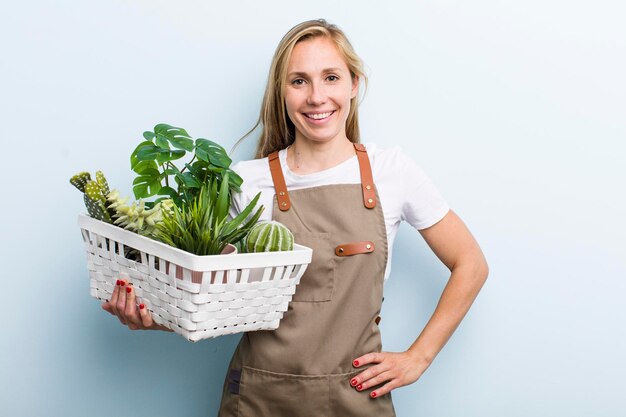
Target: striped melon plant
{"type": "Point", "coordinates": [269, 236]}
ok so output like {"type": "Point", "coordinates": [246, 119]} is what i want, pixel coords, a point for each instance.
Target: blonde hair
{"type": "Point", "coordinates": [278, 131]}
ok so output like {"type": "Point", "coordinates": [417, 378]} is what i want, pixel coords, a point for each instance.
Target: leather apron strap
{"type": "Point", "coordinates": [367, 180]}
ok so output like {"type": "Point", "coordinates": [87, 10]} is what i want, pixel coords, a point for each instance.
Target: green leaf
{"type": "Point", "coordinates": [178, 137]}
{"type": "Point", "coordinates": [148, 135]}
{"type": "Point", "coordinates": [147, 152]}
{"type": "Point", "coordinates": [134, 160]}
{"type": "Point", "coordinates": [146, 185]}
{"type": "Point", "coordinates": [142, 166]}
{"type": "Point", "coordinates": [169, 191]}
{"type": "Point", "coordinates": [209, 151]}
{"type": "Point", "coordinates": [188, 180]}
{"type": "Point", "coordinates": [162, 143]}
{"type": "Point", "coordinates": [172, 155]}
{"type": "Point", "coordinates": [223, 200]}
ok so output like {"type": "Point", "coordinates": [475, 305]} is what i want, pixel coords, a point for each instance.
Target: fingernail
{"type": "Point", "coordinates": [128, 289]}
{"type": "Point", "coordinates": [353, 382]}
{"type": "Point", "coordinates": [359, 387]}
{"type": "Point", "coordinates": [122, 283]}
{"type": "Point", "coordinates": [141, 306]}
{"type": "Point", "coordinates": [356, 363]}
{"type": "Point", "coordinates": [118, 282]}
{"type": "Point", "coordinates": [373, 394]}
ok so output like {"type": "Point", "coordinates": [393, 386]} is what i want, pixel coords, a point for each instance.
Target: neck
{"type": "Point", "coordinates": [307, 157]}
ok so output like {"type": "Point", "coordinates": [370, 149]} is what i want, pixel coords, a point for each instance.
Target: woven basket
{"type": "Point", "coordinates": [204, 296]}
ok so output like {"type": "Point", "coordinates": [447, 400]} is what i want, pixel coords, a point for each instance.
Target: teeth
{"type": "Point", "coordinates": [319, 116]}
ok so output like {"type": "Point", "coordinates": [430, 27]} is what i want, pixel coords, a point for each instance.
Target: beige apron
{"type": "Point", "coordinates": [304, 367]}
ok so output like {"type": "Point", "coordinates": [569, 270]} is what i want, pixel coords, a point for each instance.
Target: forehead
{"type": "Point", "coordinates": [314, 55]}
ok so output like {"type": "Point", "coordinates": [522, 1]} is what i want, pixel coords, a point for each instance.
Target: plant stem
{"type": "Point", "coordinates": [190, 162]}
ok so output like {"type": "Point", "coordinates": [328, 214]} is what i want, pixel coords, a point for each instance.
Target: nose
{"type": "Point", "coordinates": [317, 94]}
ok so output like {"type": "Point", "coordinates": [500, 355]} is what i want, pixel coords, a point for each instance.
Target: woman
{"type": "Point", "coordinates": [326, 357]}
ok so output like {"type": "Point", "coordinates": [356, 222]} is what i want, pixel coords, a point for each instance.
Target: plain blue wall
{"type": "Point", "coordinates": [515, 109]}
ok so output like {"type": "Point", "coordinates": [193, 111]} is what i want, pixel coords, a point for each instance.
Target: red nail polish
{"type": "Point", "coordinates": [359, 387]}
{"type": "Point", "coordinates": [356, 363]}
{"type": "Point", "coordinates": [128, 289]}
{"type": "Point", "coordinates": [141, 306]}
{"type": "Point", "coordinates": [373, 394]}
{"type": "Point", "coordinates": [353, 382]}
{"type": "Point", "coordinates": [118, 282]}
{"type": "Point", "coordinates": [122, 283]}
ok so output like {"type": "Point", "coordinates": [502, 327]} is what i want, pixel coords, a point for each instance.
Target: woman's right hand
{"type": "Point", "coordinates": [123, 305]}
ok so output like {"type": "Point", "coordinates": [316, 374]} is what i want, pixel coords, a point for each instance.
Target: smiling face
{"type": "Point", "coordinates": [318, 90]}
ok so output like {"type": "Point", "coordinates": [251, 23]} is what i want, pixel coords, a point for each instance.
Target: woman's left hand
{"type": "Point", "coordinates": [395, 369]}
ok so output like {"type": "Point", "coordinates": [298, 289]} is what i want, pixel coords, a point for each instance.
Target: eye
{"type": "Point", "coordinates": [332, 78]}
{"type": "Point", "coordinates": [297, 81]}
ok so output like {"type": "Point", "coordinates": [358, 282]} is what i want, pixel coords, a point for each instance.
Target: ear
{"type": "Point", "coordinates": [355, 86]}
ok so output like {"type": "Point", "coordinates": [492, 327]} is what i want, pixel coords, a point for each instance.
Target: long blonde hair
{"type": "Point", "coordinates": [278, 131]}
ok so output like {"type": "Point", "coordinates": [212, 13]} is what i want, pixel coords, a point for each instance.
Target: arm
{"type": "Point", "coordinates": [455, 246]}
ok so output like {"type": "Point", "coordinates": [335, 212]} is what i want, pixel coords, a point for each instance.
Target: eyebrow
{"type": "Point", "coordinates": [302, 74]}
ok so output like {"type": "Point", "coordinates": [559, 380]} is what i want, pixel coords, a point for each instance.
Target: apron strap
{"type": "Point", "coordinates": [367, 181]}
{"type": "Point", "coordinates": [279, 182]}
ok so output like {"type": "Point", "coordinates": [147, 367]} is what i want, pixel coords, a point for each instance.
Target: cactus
{"type": "Point", "coordinates": [269, 236]}
{"type": "Point", "coordinates": [107, 206]}
{"type": "Point", "coordinates": [80, 180]}
{"type": "Point", "coordinates": [135, 217]}
{"type": "Point", "coordinates": [95, 194]}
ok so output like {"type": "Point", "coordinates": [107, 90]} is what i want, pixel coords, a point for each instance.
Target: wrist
{"type": "Point", "coordinates": [419, 356]}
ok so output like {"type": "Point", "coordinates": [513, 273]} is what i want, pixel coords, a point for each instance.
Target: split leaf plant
{"type": "Point", "coordinates": [158, 174]}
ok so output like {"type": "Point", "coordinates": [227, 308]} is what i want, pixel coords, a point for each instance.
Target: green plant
{"type": "Point", "coordinates": [95, 195]}
{"type": "Point", "coordinates": [269, 236]}
{"type": "Point", "coordinates": [158, 175]}
{"type": "Point", "coordinates": [136, 217]}
{"type": "Point", "coordinates": [202, 226]}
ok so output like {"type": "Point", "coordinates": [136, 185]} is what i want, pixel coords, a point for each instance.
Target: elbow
{"type": "Point", "coordinates": [484, 270]}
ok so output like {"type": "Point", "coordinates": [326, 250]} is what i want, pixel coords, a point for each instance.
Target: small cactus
{"type": "Point", "coordinates": [80, 180]}
{"type": "Point", "coordinates": [95, 194]}
{"type": "Point", "coordinates": [269, 236]}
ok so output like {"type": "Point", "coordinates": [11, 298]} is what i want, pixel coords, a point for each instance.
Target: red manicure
{"type": "Point", "coordinates": [128, 289]}
{"type": "Point", "coordinates": [359, 387]}
{"type": "Point", "coordinates": [356, 363]}
{"type": "Point", "coordinates": [141, 306]}
{"type": "Point", "coordinates": [118, 282]}
{"type": "Point", "coordinates": [353, 382]}
{"type": "Point", "coordinates": [122, 283]}
{"type": "Point", "coordinates": [373, 394]}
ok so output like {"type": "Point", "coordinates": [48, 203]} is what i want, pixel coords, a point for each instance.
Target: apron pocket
{"type": "Point", "coordinates": [263, 393]}
{"type": "Point", "coordinates": [318, 280]}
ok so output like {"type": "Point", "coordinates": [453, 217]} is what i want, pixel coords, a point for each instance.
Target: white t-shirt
{"type": "Point", "coordinates": [405, 192]}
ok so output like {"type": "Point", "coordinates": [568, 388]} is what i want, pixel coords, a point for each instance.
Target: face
{"type": "Point", "coordinates": [318, 91]}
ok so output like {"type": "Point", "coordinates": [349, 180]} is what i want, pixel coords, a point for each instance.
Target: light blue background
{"type": "Point", "coordinates": [515, 109]}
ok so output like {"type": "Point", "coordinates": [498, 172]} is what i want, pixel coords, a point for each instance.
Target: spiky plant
{"type": "Point", "coordinates": [136, 217]}
{"type": "Point", "coordinates": [202, 227]}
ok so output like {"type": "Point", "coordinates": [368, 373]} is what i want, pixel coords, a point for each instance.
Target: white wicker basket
{"type": "Point", "coordinates": [204, 296]}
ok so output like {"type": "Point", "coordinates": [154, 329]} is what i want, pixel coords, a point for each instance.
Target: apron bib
{"type": "Point", "coordinates": [304, 367]}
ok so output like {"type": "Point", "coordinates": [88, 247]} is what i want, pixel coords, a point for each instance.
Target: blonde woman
{"type": "Point", "coordinates": [345, 200]}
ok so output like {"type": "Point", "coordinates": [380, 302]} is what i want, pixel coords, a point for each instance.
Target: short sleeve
{"type": "Point", "coordinates": [423, 204]}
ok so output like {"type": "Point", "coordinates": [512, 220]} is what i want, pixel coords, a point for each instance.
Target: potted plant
{"type": "Point", "coordinates": [181, 218]}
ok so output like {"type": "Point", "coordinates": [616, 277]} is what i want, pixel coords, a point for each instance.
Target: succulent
{"type": "Point", "coordinates": [135, 217]}
{"type": "Point", "coordinates": [269, 236]}
{"type": "Point", "coordinates": [95, 192]}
